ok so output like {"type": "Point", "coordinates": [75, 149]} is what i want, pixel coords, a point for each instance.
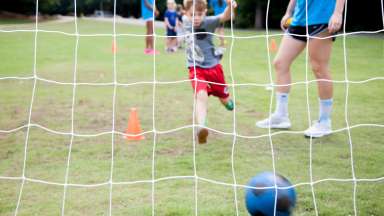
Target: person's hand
{"type": "Point", "coordinates": [233, 3]}
{"type": "Point", "coordinates": [283, 21]}
{"type": "Point", "coordinates": [335, 23]}
{"type": "Point", "coordinates": [156, 12]}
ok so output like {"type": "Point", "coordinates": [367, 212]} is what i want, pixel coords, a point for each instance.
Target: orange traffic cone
{"type": "Point", "coordinates": [133, 130]}
{"type": "Point", "coordinates": [273, 46]}
{"type": "Point", "coordinates": [114, 46]}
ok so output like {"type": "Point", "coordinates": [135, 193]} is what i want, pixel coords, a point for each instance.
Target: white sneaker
{"type": "Point", "coordinates": [275, 121]}
{"type": "Point", "coordinates": [319, 129]}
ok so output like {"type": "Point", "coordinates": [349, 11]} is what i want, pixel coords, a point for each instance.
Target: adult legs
{"type": "Point", "coordinates": [289, 49]}
{"type": "Point", "coordinates": [149, 37]}
{"type": "Point", "coordinates": [319, 56]}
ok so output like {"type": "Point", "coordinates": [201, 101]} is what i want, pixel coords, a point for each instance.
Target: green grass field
{"type": "Point", "coordinates": [90, 162]}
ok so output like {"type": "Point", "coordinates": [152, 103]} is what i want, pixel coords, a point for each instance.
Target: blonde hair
{"type": "Point", "coordinates": [200, 5]}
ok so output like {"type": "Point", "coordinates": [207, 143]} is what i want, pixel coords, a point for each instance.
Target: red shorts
{"type": "Point", "coordinates": [215, 75]}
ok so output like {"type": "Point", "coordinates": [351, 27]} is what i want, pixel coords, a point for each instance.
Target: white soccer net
{"type": "Point", "coordinates": [235, 185]}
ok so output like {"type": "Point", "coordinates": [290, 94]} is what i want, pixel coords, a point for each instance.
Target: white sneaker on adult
{"type": "Point", "coordinates": [319, 129]}
{"type": "Point", "coordinates": [275, 121]}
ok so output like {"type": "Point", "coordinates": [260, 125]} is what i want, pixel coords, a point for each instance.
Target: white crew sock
{"type": "Point", "coordinates": [281, 104]}
{"type": "Point", "coordinates": [325, 110]}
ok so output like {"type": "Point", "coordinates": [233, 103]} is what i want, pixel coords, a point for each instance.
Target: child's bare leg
{"type": "Point", "coordinates": [167, 43]}
{"type": "Point", "coordinates": [174, 43]}
{"type": "Point", "coordinates": [201, 115]}
{"type": "Point", "coordinates": [201, 107]}
{"type": "Point", "coordinates": [224, 100]}
{"type": "Point", "coordinates": [227, 102]}
{"type": "Point", "coordinates": [149, 37]}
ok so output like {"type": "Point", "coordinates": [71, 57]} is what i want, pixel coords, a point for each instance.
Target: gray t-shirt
{"type": "Point", "coordinates": [203, 49]}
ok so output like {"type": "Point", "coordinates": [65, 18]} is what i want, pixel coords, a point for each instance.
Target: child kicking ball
{"type": "Point", "coordinates": [205, 70]}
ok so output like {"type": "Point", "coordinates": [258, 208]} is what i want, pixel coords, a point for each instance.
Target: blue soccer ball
{"type": "Point", "coordinates": [261, 202]}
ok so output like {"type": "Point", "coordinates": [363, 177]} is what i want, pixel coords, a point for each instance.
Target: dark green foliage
{"type": "Point", "coordinates": [360, 17]}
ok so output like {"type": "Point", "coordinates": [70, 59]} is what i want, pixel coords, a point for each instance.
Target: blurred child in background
{"type": "Point", "coordinates": [148, 12]}
{"type": "Point", "coordinates": [171, 22]}
{"type": "Point", "coordinates": [179, 28]}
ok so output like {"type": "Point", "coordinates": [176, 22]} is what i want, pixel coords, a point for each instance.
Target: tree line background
{"type": "Point", "coordinates": [361, 15]}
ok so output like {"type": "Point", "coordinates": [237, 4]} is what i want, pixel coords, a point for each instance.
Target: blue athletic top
{"type": "Point", "coordinates": [171, 15]}
{"type": "Point", "coordinates": [146, 13]}
{"type": "Point", "coordinates": [319, 12]}
{"type": "Point", "coordinates": [217, 8]}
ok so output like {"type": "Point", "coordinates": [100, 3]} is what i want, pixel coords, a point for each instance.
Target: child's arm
{"type": "Point", "coordinates": [337, 17]}
{"type": "Point", "coordinates": [167, 24]}
{"type": "Point", "coordinates": [226, 15]}
{"type": "Point", "coordinates": [288, 14]}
